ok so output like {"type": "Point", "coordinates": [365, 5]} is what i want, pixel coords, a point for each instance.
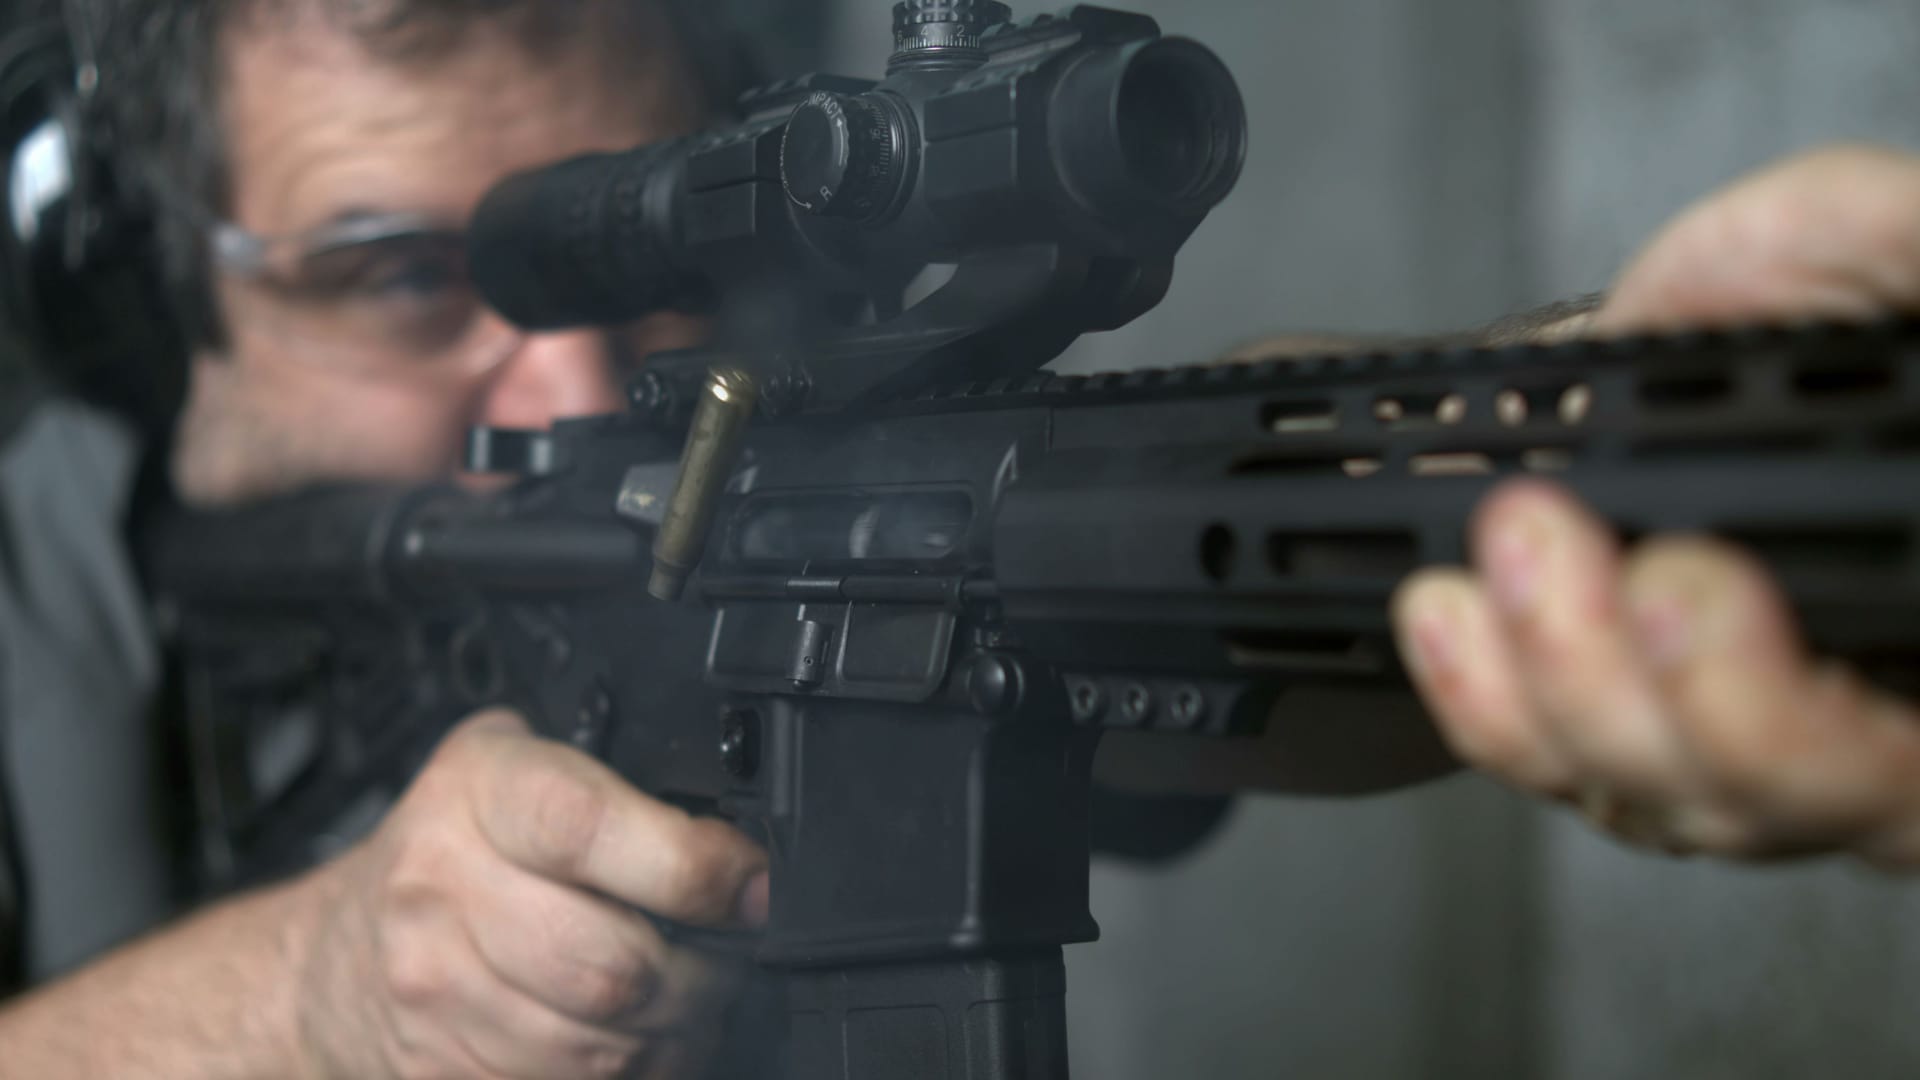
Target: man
{"type": "Point", "coordinates": [489, 926]}
{"type": "Point", "coordinates": [474, 933]}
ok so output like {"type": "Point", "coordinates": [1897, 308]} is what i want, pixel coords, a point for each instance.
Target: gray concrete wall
{"type": "Point", "coordinates": [1650, 967]}
{"type": "Point", "coordinates": [1642, 106]}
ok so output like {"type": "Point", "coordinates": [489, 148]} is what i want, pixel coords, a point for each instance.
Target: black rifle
{"type": "Point", "coordinates": [866, 580]}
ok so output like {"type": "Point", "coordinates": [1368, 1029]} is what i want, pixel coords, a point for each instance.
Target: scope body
{"type": "Point", "coordinates": [1056, 165]}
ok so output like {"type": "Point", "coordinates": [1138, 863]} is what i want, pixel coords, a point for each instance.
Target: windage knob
{"type": "Point", "coordinates": [944, 30]}
{"type": "Point", "coordinates": [838, 156]}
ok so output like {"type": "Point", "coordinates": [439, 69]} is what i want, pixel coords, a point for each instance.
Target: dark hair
{"type": "Point", "coordinates": [161, 71]}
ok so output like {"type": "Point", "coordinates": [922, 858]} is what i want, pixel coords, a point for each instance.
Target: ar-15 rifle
{"type": "Point", "coordinates": [901, 580]}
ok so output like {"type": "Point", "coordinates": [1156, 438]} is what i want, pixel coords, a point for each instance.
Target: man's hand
{"type": "Point", "coordinates": [1665, 690]}
{"type": "Point", "coordinates": [485, 929]}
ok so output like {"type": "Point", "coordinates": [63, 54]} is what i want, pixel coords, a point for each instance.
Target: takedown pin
{"type": "Point", "coordinates": [713, 443]}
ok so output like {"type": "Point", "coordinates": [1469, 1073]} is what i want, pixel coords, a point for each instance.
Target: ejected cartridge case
{"type": "Point", "coordinates": [720, 419]}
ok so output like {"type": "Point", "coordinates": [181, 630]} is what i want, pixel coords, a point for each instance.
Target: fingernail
{"type": "Point", "coordinates": [1515, 554]}
{"type": "Point", "coordinates": [755, 901]}
{"type": "Point", "coordinates": [1666, 631]}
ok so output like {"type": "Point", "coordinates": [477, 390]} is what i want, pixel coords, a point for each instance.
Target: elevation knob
{"type": "Point", "coordinates": [944, 31]}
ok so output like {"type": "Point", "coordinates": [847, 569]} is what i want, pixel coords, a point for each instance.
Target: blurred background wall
{"type": "Point", "coordinates": [1423, 166]}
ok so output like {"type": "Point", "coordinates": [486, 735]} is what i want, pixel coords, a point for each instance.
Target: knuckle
{"type": "Point", "coordinates": [447, 776]}
{"type": "Point", "coordinates": [674, 872]}
{"type": "Point", "coordinates": [496, 721]}
{"type": "Point", "coordinates": [1427, 587]}
{"type": "Point", "coordinates": [563, 815]}
{"type": "Point", "coordinates": [422, 1047]}
{"type": "Point", "coordinates": [1497, 744]}
{"type": "Point", "coordinates": [698, 871]}
{"type": "Point", "coordinates": [1521, 495]}
{"type": "Point", "coordinates": [414, 1065]}
{"type": "Point", "coordinates": [1499, 750]}
{"type": "Point", "coordinates": [422, 865]}
{"type": "Point", "coordinates": [607, 1062]}
{"type": "Point", "coordinates": [620, 984]}
{"type": "Point", "coordinates": [415, 975]}
{"type": "Point", "coordinates": [419, 1065]}
{"type": "Point", "coordinates": [1571, 658]}
{"type": "Point", "coordinates": [471, 741]}
{"type": "Point", "coordinates": [465, 741]}
{"type": "Point", "coordinates": [1674, 555]}
{"type": "Point", "coordinates": [1739, 767]}
{"type": "Point", "coordinates": [1714, 581]}
{"type": "Point", "coordinates": [1773, 755]}
{"type": "Point", "coordinates": [1525, 760]}
{"type": "Point", "coordinates": [571, 1049]}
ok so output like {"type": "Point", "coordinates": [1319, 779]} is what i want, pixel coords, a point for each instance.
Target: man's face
{"type": "Point", "coordinates": [334, 378]}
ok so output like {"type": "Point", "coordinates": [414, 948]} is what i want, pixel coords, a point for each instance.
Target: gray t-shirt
{"type": "Point", "coordinates": [78, 670]}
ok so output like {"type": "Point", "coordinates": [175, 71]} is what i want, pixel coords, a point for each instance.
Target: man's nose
{"type": "Point", "coordinates": [552, 377]}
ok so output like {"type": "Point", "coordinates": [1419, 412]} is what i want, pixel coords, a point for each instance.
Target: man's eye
{"type": "Point", "coordinates": [404, 270]}
{"type": "Point", "coordinates": [418, 279]}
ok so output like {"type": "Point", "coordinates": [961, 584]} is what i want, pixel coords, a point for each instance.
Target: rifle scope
{"type": "Point", "coordinates": [1087, 132]}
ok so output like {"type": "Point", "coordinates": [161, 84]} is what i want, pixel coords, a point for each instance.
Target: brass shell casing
{"type": "Point", "coordinates": [720, 419]}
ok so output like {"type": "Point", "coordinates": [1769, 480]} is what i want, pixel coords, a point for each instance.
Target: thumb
{"type": "Point", "coordinates": [1831, 234]}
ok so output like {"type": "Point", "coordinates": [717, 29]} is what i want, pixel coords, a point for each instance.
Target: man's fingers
{"type": "Point", "coordinates": [1832, 234]}
{"type": "Point", "coordinates": [1553, 572]}
{"type": "Point", "coordinates": [518, 1036]}
{"type": "Point", "coordinates": [592, 960]}
{"type": "Point", "coordinates": [1803, 750]}
{"type": "Point", "coordinates": [1464, 669]}
{"type": "Point", "coordinates": [448, 1005]}
{"type": "Point", "coordinates": [492, 722]}
{"type": "Point", "coordinates": [564, 816]}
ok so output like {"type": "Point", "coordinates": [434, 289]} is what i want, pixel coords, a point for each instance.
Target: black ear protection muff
{"type": "Point", "coordinates": [80, 280]}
